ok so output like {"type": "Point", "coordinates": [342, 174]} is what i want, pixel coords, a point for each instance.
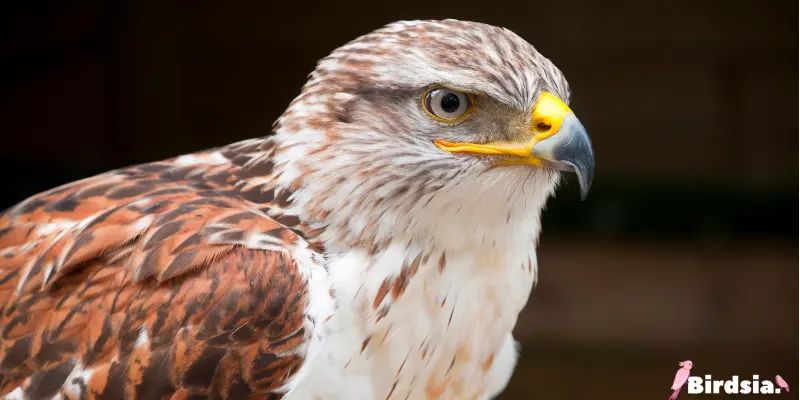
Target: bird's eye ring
{"type": "Point", "coordinates": [447, 105]}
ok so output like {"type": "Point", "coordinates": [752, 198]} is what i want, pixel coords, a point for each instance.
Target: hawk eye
{"type": "Point", "coordinates": [447, 105]}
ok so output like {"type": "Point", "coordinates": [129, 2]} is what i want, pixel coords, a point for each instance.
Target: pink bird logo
{"type": "Point", "coordinates": [782, 383]}
{"type": "Point", "coordinates": [680, 378]}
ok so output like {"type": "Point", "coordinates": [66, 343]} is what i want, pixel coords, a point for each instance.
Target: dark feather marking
{"type": "Point", "coordinates": [67, 204]}
{"type": "Point", "coordinates": [155, 379]}
{"type": "Point", "coordinates": [216, 202]}
{"type": "Point", "coordinates": [452, 310]}
{"type": "Point", "coordinates": [4, 231]}
{"type": "Point", "coordinates": [282, 198]}
{"type": "Point", "coordinates": [451, 365]}
{"type": "Point", "coordinates": [179, 264]}
{"type": "Point", "coordinates": [425, 339]}
{"type": "Point", "coordinates": [148, 267]}
{"type": "Point", "coordinates": [17, 353]}
{"type": "Point", "coordinates": [383, 290]}
{"type": "Point", "coordinates": [127, 191]}
{"type": "Point", "coordinates": [288, 220]}
{"type": "Point", "coordinates": [383, 312]}
{"type": "Point", "coordinates": [183, 209]}
{"type": "Point", "coordinates": [154, 167]}
{"type": "Point", "coordinates": [94, 191]}
{"type": "Point", "coordinates": [365, 343]}
{"type": "Point", "coordinates": [358, 291]}
{"type": "Point", "coordinates": [239, 390]}
{"type": "Point", "coordinates": [163, 233]}
{"type": "Point", "coordinates": [155, 207]}
{"type": "Point", "coordinates": [403, 364]}
{"type": "Point", "coordinates": [386, 334]}
{"type": "Point", "coordinates": [258, 196]}
{"type": "Point", "coordinates": [182, 173]}
{"type": "Point", "coordinates": [10, 275]}
{"type": "Point", "coordinates": [98, 345]}
{"type": "Point", "coordinates": [83, 240]}
{"type": "Point", "coordinates": [115, 384]}
{"type": "Point", "coordinates": [410, 386]}
{"type": "Point", "coordinates": [202, 369]}
{"type": "Point", "coordinates": [82, 388]}
{"type": "Point", "coordinates": [220, 178]}
{"type": "Point", "coordinates": [101, 218]}
{"type": "Point", "coordinates": [241, 159]}
{"type": "Point", "coordinates": [263, 168]}
{"type": "Point", "coordinates": [236, 218]}
{"type": "Point", "coordinates": [191, 241]}
{"type": "Point", "coordinates": [392, 391]}
{"type": "Point", "coordinates": [46, 384]}
{"type": "Point", "coordinates": [231, 236]}
{"type": "Point", "coordinates": [264, 365]}
{"type": "Point", "coordinates": [168, 191]}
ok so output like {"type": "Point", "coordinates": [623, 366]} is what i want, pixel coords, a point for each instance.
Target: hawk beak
{"type": "Point", "coordinates": [556, 139]}
{"type": "Point", "coordinates": [570, 149]}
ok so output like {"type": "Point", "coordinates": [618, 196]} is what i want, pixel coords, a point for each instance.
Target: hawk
{"type": "Point", "coordinates": [378, 244]}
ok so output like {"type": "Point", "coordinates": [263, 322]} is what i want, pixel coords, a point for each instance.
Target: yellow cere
{"type": "Point", "coordinates": [549, 110]}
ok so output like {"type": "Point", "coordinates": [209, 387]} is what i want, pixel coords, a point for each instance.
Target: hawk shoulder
{"type": "Point", "coordinates": [141, 284]}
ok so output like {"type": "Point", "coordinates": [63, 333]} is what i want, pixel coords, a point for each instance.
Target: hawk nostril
{"type": "Point", "coordinates": [542, 127]}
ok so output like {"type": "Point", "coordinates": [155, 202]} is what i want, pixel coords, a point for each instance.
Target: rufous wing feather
{"type": "Point", "coordinates": [139, 286]}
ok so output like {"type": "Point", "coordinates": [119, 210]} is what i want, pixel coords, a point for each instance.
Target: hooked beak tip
{"type": "Point", "coordinates": [570, 150]}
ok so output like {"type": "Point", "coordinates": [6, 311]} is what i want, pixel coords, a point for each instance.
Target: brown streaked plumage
{"type": "Point", "coordinates": [372, 247]}
{"type": "Point", "coordinates": [154, 278]}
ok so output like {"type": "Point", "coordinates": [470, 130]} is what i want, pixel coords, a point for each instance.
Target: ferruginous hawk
{"type": "Point", "coordinates": [379, 244]}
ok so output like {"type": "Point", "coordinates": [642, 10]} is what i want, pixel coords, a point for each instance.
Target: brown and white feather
{"type": "Point", "coordinates": [343, 256]}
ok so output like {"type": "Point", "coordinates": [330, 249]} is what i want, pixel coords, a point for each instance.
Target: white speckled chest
{"type": "Point", "coordinates": [412, 324]}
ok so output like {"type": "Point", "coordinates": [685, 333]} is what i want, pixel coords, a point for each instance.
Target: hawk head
{"type": "Point", "coordinates": [430, 127]}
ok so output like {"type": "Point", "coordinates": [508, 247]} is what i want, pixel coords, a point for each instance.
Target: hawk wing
{"type": "Point", "coordinates": [131, 285]}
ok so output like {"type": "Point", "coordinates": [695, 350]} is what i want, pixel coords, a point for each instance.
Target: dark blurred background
{"type": "Point", "coordinates": [687, 247]}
